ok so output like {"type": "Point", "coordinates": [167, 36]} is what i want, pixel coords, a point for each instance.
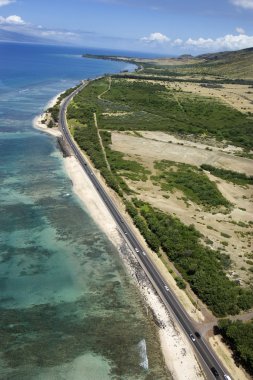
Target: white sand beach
{"type": "Point", "coordinates": [178, 353]}
{"type": "Point", "coordinates": [37, 121]}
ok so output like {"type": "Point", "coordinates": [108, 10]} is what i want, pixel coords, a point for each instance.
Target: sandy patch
{"type": "Point", "coordinates": [159, 150]}
{"type": "Point", "coordinates": [192, 141]}
{"type": "Point", "coordinates": [37, 124]}
{"type": "Point", "coordinates": [40, 121]}
{"type": "Point", "coordinates": [85, 190]}
{"type": "Point", "coordinates": [116, 113]}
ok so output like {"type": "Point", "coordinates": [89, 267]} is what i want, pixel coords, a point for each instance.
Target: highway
{"type": "Point", "coordinates": [208, 359]}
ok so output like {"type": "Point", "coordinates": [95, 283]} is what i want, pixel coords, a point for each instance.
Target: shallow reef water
{"type": "Point", "coordinates": [67, 307]}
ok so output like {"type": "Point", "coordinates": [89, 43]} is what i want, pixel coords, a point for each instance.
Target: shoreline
{"type": "Point", "coordinates": [180, 360]}
{"type": "Point", "coordinates": [178, 353]}
{"type": "Point", "coordinates": [37, 121]}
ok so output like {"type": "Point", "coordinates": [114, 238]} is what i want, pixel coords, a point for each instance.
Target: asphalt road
{"type": "Point", "coordinates": [205, 354]}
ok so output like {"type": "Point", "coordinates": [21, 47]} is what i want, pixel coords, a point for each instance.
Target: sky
{"type": "Point", "coordinates": [169, 27]}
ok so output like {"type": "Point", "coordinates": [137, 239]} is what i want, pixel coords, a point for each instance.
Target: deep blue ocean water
{"type": "Point", "coordinates": [67, 308]}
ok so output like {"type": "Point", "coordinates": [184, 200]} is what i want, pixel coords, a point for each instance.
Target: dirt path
{"type": "Point", "coordinates": [100, 141]}
{"type": "Point", "coordinates": [108, 89]}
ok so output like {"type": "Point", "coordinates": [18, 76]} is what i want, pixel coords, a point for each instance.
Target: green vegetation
{"type": "Point", "coordinates": [233, 64]}
{"type": "Point", "coordinates": [229, 175]}
{"type": "Point", "coordinates": [226, 66]}
{"type": "Point", "coordinates": [87, 138]}
{"type": "Point", "coordinates": [54, 111]}
{"type": "Point", "coordinates": [239, 336]}
{"type": "Point", "coordinates": [150, 106]}
{"type": "Point", "coordinates": [140, 105]}
{"type": "Point", "coordinates": [140, 223]}
{"type": "Point", "coordinates": [191, 70]}
{"type": "Point", "coordinates": [81, 120]}
{"type": "Point", "coordinates": [180, 283]}
{"type": "Point", "coordinates": [200, 266]}
{"type": "Point", "coordinates": [192, 181]}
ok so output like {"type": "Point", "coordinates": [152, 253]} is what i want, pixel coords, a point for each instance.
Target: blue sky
{"type": "Point", "coordinates": [158, 26]}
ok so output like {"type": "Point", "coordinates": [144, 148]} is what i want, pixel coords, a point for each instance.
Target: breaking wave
{"type": "Point", "coordinates": [143, 354]}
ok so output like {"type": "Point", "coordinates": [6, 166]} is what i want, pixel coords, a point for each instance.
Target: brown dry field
{"type": "Point", "coordinates": [153, 146]}
{"type": "Point", "coordinates": [235, 95]}
{"type": "Point", "coordinates": [163, 61]}
{"type": "Point", "coordinates": [162, 146]}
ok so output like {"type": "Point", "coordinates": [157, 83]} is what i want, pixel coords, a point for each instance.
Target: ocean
{"type": "Point", "coordinates": [68, 309]}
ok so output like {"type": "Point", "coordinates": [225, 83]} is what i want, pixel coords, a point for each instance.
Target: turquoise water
{"type": "Point", "coordinates": [67, 308]}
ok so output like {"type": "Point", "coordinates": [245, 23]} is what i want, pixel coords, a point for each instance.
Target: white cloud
{"type": "Point", "coordinates": [6, 2]}
{"type": "Point", "coordinates": [13, 19]}
{"type": "Point", "coordinates": [228, 42]}
{"type": "Point", "coordinates": [246, 4]}
{"type": "Point", "coordinates": [57, 33]}
{"type": "Point", "coordinates": [177, 42]}
{"type": "Point", "coordinates": [223, 43]}
{"type": "Point", "coordinates": [156, 37]}
{"type": "Point", "coordinates": [240, 30]}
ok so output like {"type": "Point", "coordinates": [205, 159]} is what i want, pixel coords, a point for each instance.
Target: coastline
{"type": "Point", "coordinates": [37, 121]}
{"type": "Point", "coordinates": [178, 353]}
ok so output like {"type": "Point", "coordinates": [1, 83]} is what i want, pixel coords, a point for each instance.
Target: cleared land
{"type": "Point", "coordinates": [160, 146]}
{"type": "Point", "coordinates": [235, 224]}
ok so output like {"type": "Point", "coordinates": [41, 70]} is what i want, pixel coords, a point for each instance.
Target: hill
{"type": "Point", "coordinates": [233, 64]}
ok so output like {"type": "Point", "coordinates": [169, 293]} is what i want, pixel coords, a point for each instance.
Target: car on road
{"type": "Point", "coordinates": [215, 372]}
{"type": "Point", "coordinates": [144, 253]}
{"type": "Point", "coordinates": [136, 250]}
{"type": "Point", "coordinates": [226, 377]}
{"type": "Point", "coordinates": [197, 334]}
{"type": "Point", "coordinates": [166, 288]}
{"type": "Point", "coordinates": [192, 337]}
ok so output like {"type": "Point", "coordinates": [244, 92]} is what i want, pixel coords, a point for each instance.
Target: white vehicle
{"type": "Point", "coordinates": [136, 250]}
{"type": "Point", "coordinates": [227, 377]}
{"type": "Point", "coordinates": [166, 288]}
{"type": "Point", "coordinates": [192, 337]}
